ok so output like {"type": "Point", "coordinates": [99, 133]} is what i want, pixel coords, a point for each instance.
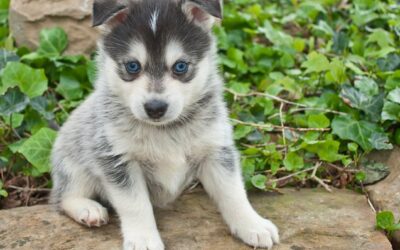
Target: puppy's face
{"type": "Point", "coordinates": [157, 57]}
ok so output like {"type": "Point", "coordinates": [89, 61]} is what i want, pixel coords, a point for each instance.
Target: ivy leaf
{"type": "Point", "coordinates": [37, 149]}
{"type": "Point", "coordinates": [258, 181]}
{"type": "Point", "coordinates": [91, 71]}
{"type": "Point", "coordinates": [383, 38]}
{"type": "Point", "coordinates": [316, 63]}
{"type": "Point", "coordinates": [380, 141]}
{"type": "Point", "coordinates": [53, 42]}
{"type": "Point", "coordinates": [394, 95]}
{"type": "Point", "coordinates": [367, 86]}
{"type": "Point", "coordinates": [391, 111]}
{"type": "Point", "coordinates": [69, 87]}
{"type": "Point", "coordinates": [340, 42]}
{"type": "Point", "coordinates": [390, 62]}
{"type": "Point", "coordinates": [15, 120]}
{"type": "Point", "coordinates": [40, 104]}
{"type": "Point", "coordinates": [318, 121]}
{"type": "Point", "coordinates": [7, 56]}
{"type": "Point", "coordinates": [371, 105]}
{"type": "Point", "coordinates": [293, 161]}
{"type": "Point", "coordinates": [326, 150]}
{"type": "Point", "coordinates": [276, 36]}
{"type": "Point", "coordinates": [393, 81]}
{"type": "Point", "coordinates": [32, 82]}
{"type": "Point", "coordinates": [13, 102]}
{"type": "Point", "coordinates": [384, 220]}
{"type": "Point", "coordinates": [241, 131]}
{"type": "Point", "coordinates": [358, 131]}
{"type": "Point", "coordinates": [338, 71]}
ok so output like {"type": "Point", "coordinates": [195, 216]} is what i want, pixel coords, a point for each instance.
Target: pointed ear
{"type": "Point", "coordinates": [203, 12]}
{"type": "Point", "coordinates": [108, 12]}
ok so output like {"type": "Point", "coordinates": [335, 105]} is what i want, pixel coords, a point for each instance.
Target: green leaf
{"type": "Point", "coordinates": [393, 81]}
{"type": "Point", "coordinates": [360, 176]}
{"type": "Point", "coordinates": [53, 42]}
{"type": "Point", "coordinates": [40, 104]}
{"type": "Point", "coordinates": [32, 82]}
{"type": "Point", "coordinates": [367, 86]}
{"type": "Point", "coordinates": [293, 161]}
{"type": "Point", "coordinates": [92, 71]}
{"type": "Point", "coordinates": [258, 181]}
{"type": "Point", "coordinates": [241, 131]}
{"type": "Point", "coordinates": [276, 36]}
{"type": "Point", "coordinates": [383, 38]}
{"type": "Point", "coordinates": [391, 111]}
{"type": "Point", "coordinates": [241, 88]}
{"type": "Point", "coordinates": [338, 71]}
{"type": "Point", "coordinates": [371, 105]}
{"type": "Point", "coordinates": [16, 145]}
{"type": "Point", "coordinates": [316, 63]}
{"type": "Point", "coordinates": [352, 146]}
{"type": "Point", "coordinates": [340, 42]}
{"type": "Point", "coordinates": [390, 62]}
{"type": "Point", "coordinates": [327, 150]}
{"type": "Point", "coordinates": [318, 121]}
{"type": "Point", "coordinates": [13, 102]}
{"type": "Point", "coordinates": [358, 131]}
{"type": "Point", "coordinates": [69, 87]}
{"type": "Point", "coordinates": [394, 95]}
{"type": "Point", "coordinates": [380, 141]}
{"type": "Point", "coordinates": [7, 56]}
{"type": "Point", "coordinates": [3, 193]}
{"type": "Point", "coordinates": [374, 171]}
{"type": "Point", "coordinates": [37, 149]}
{"type": "Point", "coordinates": [16, 120]}
{"type": "Point", "coordinates": [384, 220]}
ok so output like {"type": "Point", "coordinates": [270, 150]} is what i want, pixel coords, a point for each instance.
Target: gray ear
{"type": "Point", "coordinates": [203, 12]}
{"type": "Point", "coordinates": [106, 10]}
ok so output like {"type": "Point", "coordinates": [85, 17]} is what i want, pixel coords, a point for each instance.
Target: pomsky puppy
{"type": "Point", "coordinates": [156, 122]}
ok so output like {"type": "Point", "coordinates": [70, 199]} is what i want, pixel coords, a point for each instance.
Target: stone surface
{"type": "Point", "coordinates": [28, 17]}
{"type": "Point", "coordinates": [308, 219]}
{"type": "Point", "coordinates": [385, 195]}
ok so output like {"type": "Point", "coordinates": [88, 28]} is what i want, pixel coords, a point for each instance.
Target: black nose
{"type": "Point", "coordinates": [155, 109]}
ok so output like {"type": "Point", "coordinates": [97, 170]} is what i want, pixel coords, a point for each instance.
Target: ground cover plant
{"type": "Point", "coordinates": [312, 87]}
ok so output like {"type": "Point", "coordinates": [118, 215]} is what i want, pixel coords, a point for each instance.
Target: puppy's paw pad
{"type": "Point", "coordinates": [93, 215]}
{"type": "Point", "coordinates": [258, 232]}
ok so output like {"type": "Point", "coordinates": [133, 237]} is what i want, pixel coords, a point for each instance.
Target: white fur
{"type": "Point", "coordinates": [153, 20]}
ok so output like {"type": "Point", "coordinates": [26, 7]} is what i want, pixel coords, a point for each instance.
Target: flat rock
{"type": "Point", "coordinates": [385, 195]}
{"type": "Point", "coordinates": [29, 17]}
{"type": "Point", "coordinates": [308, 219]}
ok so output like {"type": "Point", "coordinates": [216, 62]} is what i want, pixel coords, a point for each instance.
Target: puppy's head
{"type": "Point", "coordinates": [157, 54]}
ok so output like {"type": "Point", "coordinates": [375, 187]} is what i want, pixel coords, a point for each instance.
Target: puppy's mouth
{"type": "Point", "coordinates": [159, 122]}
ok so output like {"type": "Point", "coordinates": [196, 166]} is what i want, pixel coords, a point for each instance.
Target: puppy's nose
{"type": "Point", "coordinates": [155, 109]}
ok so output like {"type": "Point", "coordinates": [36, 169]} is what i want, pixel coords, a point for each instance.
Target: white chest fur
{"type": "Point", "coordinates": [164, 158]}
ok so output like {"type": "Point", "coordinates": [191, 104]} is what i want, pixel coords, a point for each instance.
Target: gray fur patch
{"type": "Point", "coordinates": [114, 167]}
{"type": "Point", "coordinates": [227, 157]}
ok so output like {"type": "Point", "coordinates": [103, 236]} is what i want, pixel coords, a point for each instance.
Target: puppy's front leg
{"type": "Point", "coordinates": [128, 193]}
{"type": "Point", "coordinates": [221, 177]}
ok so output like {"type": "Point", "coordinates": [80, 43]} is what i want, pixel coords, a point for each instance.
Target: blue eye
{"type": "Point", "coordinates": [133, 67]}
{"type": "Point", "coordinates": [181, 68]}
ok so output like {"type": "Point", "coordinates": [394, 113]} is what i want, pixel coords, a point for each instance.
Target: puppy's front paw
{"type": "Point", "coordinates": [144, 242]}
{"type": "Point", "coordinates": [257, 232]}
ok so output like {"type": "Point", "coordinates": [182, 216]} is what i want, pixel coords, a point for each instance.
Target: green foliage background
{"type": "Point", "coordinates": [309, 84]}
